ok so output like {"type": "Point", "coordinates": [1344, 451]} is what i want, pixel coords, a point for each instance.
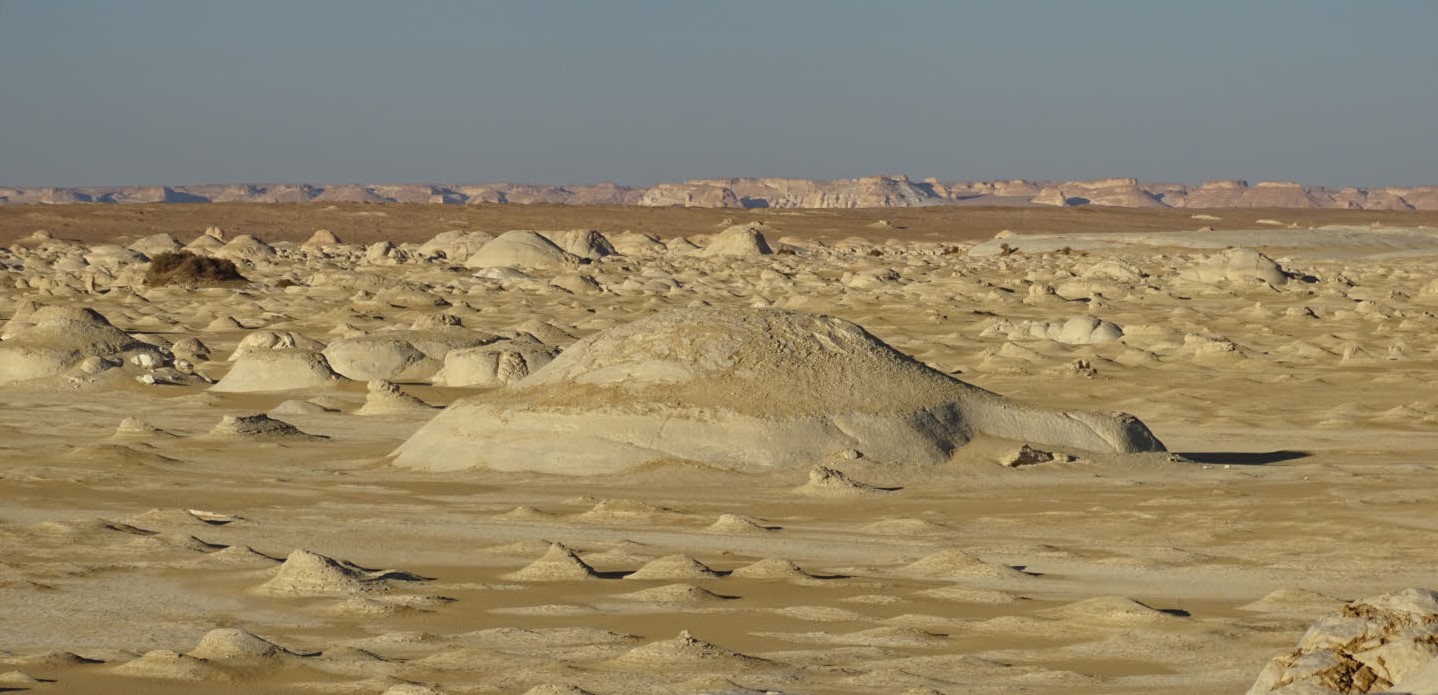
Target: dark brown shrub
{"type": "Point", "coordinates": [188, 270]}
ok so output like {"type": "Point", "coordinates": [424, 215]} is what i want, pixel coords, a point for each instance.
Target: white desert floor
{"type": "Point", "coordinates": [1304, 414]}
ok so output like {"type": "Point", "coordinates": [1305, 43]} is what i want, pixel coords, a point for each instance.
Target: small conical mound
{"type": "Point", "coordinates": [954, 563]}
{"type": "Point", "coordinates": [713, 685]}
{"type": "Point", "coordinates": [321, 237]}
{"type": "Point", "coordinates": [387, 605]}
{"type": "Point", "coordinates": [674, 594]}
{"type": "Point", "coordinates": [224, 323]}
{"type": "Point", "coordinates": [771, 568]}
{"type": "Point", "coordinates": [963, 594]}
{"type": "Point", "coordinates": [559, 564]}
{"type": "Point", "coordinates": [830, 482]}
{"type": "Point", "coordinates": [687, 650]}
{"type": "Point", "coordinates": [310, 574]}
{"type": "Point", "coordinates": [282, 369]}
{"type": "Point", "coordinates": [620, 511]}
{"type": "Point", "coordinates": [906, 527]}
{"type": "Point", "coordinates": [296, 406]}
{"type": "Point", "coordinates": [673, 567]}
{"type": "Point", "coordinates": [386, 398]}
{"type": "Point", "coordinates": [738, 524]}
{"type": "Point", "coordinates": [165, 664]}
{"type": "Point", "coordinates": [52, 659]}
{"type": "Point", "coordinates": [525, 511]}
{"type": "Point", "coordinates": [738, 240]}
{"type": "Point", "coordinates": [556, 689]}
{"type": "Point", "coordinates": [134, 427]}
{"type": "Point", "coordinates": [234, 644]}
{"type": "Point", "coordinates": [438, 321]}
{"type": "Point", "coordinates": [1302, 601]}
{"type": "Point", "coordinates": [373, 684]}
{"type": "Point", "coordinates": [18, 678]}
{"type": "Point", "coordinates": [412, 689]}
{"type": "Point", "coordinates": [258, 427]}
{"type": "Point", "coordinates": [892, 637]}
{"type": "Point", "coordinates": [510, 637]}
{"type": "Point", "coordinates": [1116, 610]}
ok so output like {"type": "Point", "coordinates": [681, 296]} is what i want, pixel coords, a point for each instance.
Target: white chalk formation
{"type": "Point", "coordinates": [740, 389]}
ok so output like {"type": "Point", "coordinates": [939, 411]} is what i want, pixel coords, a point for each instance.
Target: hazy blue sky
{"type": "Point", "coordinates": [106, 92]}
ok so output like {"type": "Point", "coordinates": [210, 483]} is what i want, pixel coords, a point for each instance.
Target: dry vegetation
{"type": "Point", "coordinates": [185, 269]}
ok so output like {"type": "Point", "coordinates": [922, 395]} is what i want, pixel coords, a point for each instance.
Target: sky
{"type": "Point", "coordinates": [98, 92]}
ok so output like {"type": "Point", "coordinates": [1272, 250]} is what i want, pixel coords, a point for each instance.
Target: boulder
{"type": "Point", "coordinates": [520, 249]}
{"type": "Point", "coordinates": [738, 240]}
{"type": "Point", "coordinates": [493, 365]}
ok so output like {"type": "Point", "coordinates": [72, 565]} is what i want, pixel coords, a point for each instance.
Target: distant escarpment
{"type": "Point", "coordinates": [866, 192]}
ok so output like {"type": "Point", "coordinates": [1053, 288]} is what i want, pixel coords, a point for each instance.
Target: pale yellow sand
{"type": "Point", "coordinates": [1307, 411]}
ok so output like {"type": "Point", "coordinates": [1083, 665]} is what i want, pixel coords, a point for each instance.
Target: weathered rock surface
{"type": "Point", "coordinates": [1386, 643]}
{"type": "Point", "coordinates": [742, 389]}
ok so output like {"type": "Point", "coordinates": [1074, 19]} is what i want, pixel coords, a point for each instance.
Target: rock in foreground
{"type": "Point", "coordinates": [1386, 643]}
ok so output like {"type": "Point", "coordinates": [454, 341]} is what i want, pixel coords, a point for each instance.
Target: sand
{"type": "Point", "coordinates": [158, 536]}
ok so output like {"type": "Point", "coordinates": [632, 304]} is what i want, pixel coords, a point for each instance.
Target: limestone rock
{"type": "Point", "coordinates": [385, 398]}
{"type": "Point", "coordinates": [522, 249]}
{"type": "Point", "coordinates": [497, 364]}
{"type": "Point", "coordinates": [43, 341]}
{"type": "Point", "coordinates": [278, 370]}
{"type": "Point", "coordinates": [739, 240]}
{"type": "Point", "coordinates": [744, 389]}
{"type": "Point", "coordinates": [1373, 644]}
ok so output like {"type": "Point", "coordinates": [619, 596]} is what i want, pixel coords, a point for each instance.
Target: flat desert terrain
{"type": "Point", "coordinates": [717, 451]}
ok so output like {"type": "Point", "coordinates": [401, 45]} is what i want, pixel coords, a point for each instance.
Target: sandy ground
{"type": "Point", "coordinates": [1304, 415]}
{"type": "Point", "coordinates": [359, 223]}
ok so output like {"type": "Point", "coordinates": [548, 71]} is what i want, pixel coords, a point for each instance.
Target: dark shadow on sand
{"type": "Point", "coordinates": [1244, 458]}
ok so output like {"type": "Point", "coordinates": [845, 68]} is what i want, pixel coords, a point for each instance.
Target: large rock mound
{"type": "Point", "coordinates": [278, 370]}
{"type": "Point", "coordinates": [1236, 265]}
{"type": "Point", "coordinates": [739, 240]}
{"type": "Point", "coordinates": [44, 341]}
{"type": "Point", "coordinates": [520, 248]}
{"type": "Point", "coordinates": [743, 389]}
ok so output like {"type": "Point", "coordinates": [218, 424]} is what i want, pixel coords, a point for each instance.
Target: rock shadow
{"type": "Point", "coordinates": [1244, 458]}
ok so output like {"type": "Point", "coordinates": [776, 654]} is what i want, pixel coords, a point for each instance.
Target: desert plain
{"type": "Point", "coordinates": [250, 487]}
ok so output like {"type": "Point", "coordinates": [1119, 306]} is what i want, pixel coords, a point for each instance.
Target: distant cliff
{"type": "Point", "coordinates": [866, 192]}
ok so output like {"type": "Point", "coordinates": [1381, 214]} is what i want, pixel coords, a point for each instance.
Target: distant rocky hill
{"type": "Point", "coordinates": [866, 192]}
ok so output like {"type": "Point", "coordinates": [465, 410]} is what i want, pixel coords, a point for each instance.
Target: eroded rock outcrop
{"type": "Point", "coordinates": [743, 389]}
{"type": "Point", "coordinates": [1385, 643]}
